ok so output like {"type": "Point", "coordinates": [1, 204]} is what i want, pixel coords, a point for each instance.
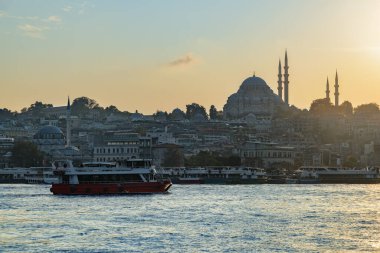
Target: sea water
{"type": "Point", "coordinates": [194, 218]}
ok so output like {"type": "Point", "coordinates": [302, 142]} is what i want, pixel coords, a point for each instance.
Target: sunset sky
{"type": "Point", "coordinates": [159, 55]}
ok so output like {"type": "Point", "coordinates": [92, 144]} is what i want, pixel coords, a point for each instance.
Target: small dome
{"type": "Point", "coordinates": [253, 83]}
{"type": "Point", "coordinates": [49, 132]}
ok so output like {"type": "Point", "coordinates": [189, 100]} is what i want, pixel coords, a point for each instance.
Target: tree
{"type": "Point", "coordinates": [36, 109]}
{"type": "Point", "coordinates": [83, 105]}
{"type": "Point", "coordinates": [213, 113]}
{"type": "Point", "coordinates": [6, 114]}
{"type": "Point", "coordinates": [231, 160]}
{"type": "Point", "coordinates": [112, 109]}
{"type": "Point", "coordinates": [203, 158]}
{"type": "Point", "coordinates": [177, 114]}
{"type": "Point", "coordinates": [321, 106]}
{"type": "Point", "coordinates": [26, 154]}
{"type": "Point", "coordinates": [366, 110]}
{"type": "Point", "coordinates": [160, 116]}
{"type": "Point", "coordinates": [346, 108]}
{"type": "Point", "coordinates": [194, 109]}
{"type": "Point", "coordinates": [173, 158]}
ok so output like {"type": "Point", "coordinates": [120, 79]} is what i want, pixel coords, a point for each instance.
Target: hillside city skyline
{"type": "Point", "coordinates": [190, 126]}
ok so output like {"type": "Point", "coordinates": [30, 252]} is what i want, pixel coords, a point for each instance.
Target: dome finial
{"type": "Point", "coordinates": [254, 74]}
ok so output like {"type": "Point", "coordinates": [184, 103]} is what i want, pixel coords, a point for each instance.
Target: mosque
{"type": "Point", "coordinates": [255, 100]}
{"type": "Point", "coordinates": [52, 141]}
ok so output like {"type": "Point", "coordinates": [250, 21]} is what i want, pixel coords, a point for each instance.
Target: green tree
{"type": "Point", "coordinates": [346, 108]}
{"type": "Point", "coordinates": [194, 109]}
{"type": "Point", "coordinates": [231, 160]}
{"type": "Point", "coordinates": [112, 109]}
{"type": "Point", "coordinates": [173, 158]}
{"type": "Point", "coordinates": [26, 154]}
{"type": "Point", "coordinates": [36, 109]}
{"type": "Point", "coordinates": [176, 114]}
{"type": "Point", "coordinates": [366, 110]}
{"type": "Point", "coordinates": [6, 114]}
{"type": "Point", "coordinates": [205, 158]}
{"type": "Point", "coordinates": [83, 105]}
{"type": "Point", "coordinates": [160, 115]}
{"type": "Point", "coordinates": [321, 106]}
{"type": "Point", "coordinates": [213, 112]}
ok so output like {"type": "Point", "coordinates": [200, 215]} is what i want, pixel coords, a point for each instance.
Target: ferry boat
{"type": "Point", "coordinates": [338, 175]}
{"type": "Point", "coordinates": [215, 175]}
{"type": "Point", "coordinates": [130, 177]}
{"type": "Point", "coordinates": [40, 175]}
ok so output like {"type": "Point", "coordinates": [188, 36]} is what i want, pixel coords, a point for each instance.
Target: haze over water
{"type": "Point", "coordinates": [196, 218]}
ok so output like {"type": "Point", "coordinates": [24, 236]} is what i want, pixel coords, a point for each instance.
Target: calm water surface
{"type": "Point", "coordinates": [195, 218]}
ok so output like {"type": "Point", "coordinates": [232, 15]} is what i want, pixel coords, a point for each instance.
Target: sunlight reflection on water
{"type": "Point", "coordinates": [229, 218]}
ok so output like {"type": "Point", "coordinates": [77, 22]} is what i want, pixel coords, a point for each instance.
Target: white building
{"type": "Point", "coordinates": [266, 154]}
{"type": "Point", "coordinates": [119, 146]}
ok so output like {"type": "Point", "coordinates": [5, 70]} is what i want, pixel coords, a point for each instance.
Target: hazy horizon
{"type": "Point", "coordinates": [159, 55]}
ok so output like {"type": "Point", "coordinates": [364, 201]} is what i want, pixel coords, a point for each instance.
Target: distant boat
{"type": "Point", "coordinates": [131, 177]}
{"type": "Point", "coordinates": [215, 175]}
{"type": "Point", "coordinates": [338, 175]}
{"type": "Point", "coordinates": [40, 175]}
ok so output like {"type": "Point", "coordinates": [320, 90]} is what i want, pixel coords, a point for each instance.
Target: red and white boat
{"type": "Point", "coordinates": [131, 177]}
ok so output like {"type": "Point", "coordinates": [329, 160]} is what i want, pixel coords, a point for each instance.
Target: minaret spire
{"type": "Point", "coordinates": [68, 125]}
{"type": "Point", "coordinates": [286, 79]}
{"type": "Point", "coordinates": [328, 90]}
{"type": "Point", "coordinates": [279, 80]}
{"type": "Point", "coordinates": [336, 89]}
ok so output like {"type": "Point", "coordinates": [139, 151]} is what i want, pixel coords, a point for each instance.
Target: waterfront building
{"type": "Point", "coordinates": [266, 154]}
{"type": "Point", "coordinates": [120, 146]}
{"type": "Point", "coordinates": [160, 137]}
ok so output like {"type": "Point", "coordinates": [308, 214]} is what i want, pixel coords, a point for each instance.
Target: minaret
{"type": "Point", "coordinates": [279, 80]}
{"type": "Point", "coordinates": [328, 90]}
{"type": "Point", "coordinates": [336, 89]}
{"type": "Point", "coordinates": [68, 125]}
{"type": "Point", "coordinates": [286, 79]}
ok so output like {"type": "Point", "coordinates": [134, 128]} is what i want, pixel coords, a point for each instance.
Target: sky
{"type": "Point", "coordinates": [150, 55]}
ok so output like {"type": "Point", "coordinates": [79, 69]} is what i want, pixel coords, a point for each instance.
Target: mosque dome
{"type": "Point", "coordinates": [49, 133]}
{"type": "Point", "coordinates": [253, 83]}
{"type": "Point", "coordinates": [254, 98]}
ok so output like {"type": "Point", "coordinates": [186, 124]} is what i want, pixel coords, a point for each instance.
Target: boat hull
{"type": "Point", "coordinates": [111, 188]}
